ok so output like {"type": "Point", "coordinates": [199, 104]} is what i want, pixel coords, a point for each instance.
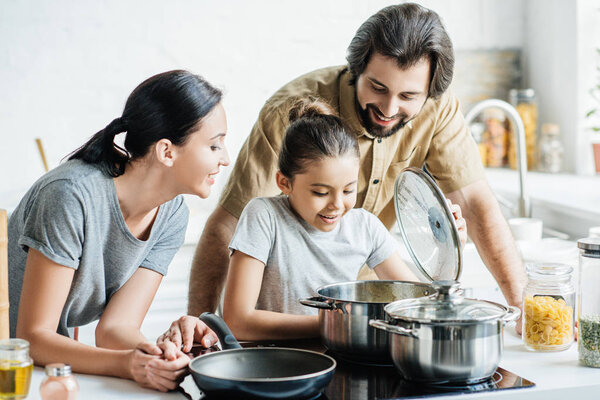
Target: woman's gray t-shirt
{"type": "Point", "coordinates": [299, 258]}
{"type": "Point", "coordinates": [72, 216]}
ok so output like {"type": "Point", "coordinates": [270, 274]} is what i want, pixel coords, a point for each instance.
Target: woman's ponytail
{"type": "Point", "coordinates": [169, 106]}
{"type": "Point", "coordinates": [102, 150]}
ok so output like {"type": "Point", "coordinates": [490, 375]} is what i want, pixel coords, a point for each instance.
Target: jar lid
{"type": "Point", "coordinates": [590, 243]}
{"type": "Point", "coordinates": [493, 113]}
{"type": "Point", "coordinates": [550, 129]}
{"type": "Point", "coordinates": [58, 369]}
{"type": "Point", "coordinates": [427, 225]}
{"type": "Point", "coordinates": [522, 93]}
{"type": "Point", "coordinates": [448, 305]}
{"type": "Point", "coordinates": [13, 348]}
{"type": "Point", "coordinates": [14, 345]}
{"type": "Point", "coordinates": [548, 271]}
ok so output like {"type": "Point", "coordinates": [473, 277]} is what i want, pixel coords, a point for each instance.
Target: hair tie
{"type": "Point", "coordinates": [116, 126]}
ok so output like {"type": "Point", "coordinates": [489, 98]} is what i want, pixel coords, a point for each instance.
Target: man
{"type": "Point", "coordinates": [392, 94]}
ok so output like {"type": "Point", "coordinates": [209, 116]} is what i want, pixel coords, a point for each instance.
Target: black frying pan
{"type": "Point", "coordinates": [263, 372]}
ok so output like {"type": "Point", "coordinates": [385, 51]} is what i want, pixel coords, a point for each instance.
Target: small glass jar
{"type": "Point", "coordinates": [548, 307]}
{"type": "Point", "coordinates": [495, 137]}
{"type": "Point", "coordinates": [15, 369]}
{"type": "Point", "coordinates": [588, 311]}
{"type": "Point", "coordinates": [551, 149]}
{"type": "Point", "coordinates": [59, 384]}
{"type": "Point", "coordinates": [525, 102]}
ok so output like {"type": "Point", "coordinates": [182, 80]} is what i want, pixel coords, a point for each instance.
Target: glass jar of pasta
{"type": "Point", "coordinates": [548, 307]}
{"type": "Point", "coordinates": [588, 311]}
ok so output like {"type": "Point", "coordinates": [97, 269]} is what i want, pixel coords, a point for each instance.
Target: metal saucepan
{"type": "Point", "coordinates": [345, 310]}
{"type": "Point", "coordinates": [446, 338]}
{"type": "Point", "coordinates": [264, 372]}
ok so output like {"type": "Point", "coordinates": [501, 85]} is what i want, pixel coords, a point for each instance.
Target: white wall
{"type": "Point", "coordinates": [560, 41]}
{"type": "Point", "coordinates": [66, 67]}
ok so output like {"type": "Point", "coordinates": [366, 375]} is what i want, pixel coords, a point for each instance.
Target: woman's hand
{"type": "Point", "coordinates": [149, 370]}
{"type": "Point", "coordinates": [182, 334]}
{"type": "Point", "coordinates": [461, 224]}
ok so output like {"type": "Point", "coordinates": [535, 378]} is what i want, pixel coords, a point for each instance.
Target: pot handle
{"type": "Point", "coordinates": [384, 325]}
{"type": "Point", "coordinates": [316, 302]}
{"type": "Point", "coordinates": [228, 341]}
{"type": "Point", "coordinates": [512, 314]}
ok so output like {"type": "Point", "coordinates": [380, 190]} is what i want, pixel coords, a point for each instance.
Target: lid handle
{"type": "Point", "coordinates": [448, 291]}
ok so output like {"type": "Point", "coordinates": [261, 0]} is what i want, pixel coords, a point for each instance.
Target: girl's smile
{"type": "Point", "coordinates": [324, 192]}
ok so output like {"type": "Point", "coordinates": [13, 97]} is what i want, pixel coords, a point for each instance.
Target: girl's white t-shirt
{"type": "Point", "coordinates": [299, 258]}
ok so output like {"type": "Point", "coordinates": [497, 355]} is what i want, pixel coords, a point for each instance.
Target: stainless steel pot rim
{"type": "Point", "coordinates": [282, 379]}
{"type": "Point", "coordinates": [395, 309]}
{"type": "Point", "coordinates": [375, 282]}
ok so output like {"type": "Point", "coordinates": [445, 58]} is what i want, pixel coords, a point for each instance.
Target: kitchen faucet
{"type": "Point", "coordinates": [519, 131]}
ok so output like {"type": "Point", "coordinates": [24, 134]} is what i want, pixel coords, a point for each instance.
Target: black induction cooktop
{"type": "Point", "coordinates": [355, 381]}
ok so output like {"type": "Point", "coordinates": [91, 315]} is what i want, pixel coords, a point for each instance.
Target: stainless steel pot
{"type": "Point", "coordinates": [346, 308]}
{"type": "Point", "coordinates": [446, 338]}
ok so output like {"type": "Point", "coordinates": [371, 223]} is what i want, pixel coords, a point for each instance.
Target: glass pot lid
{"type": "Point", "coordinates": [427, 225]}
{"type": "Point", "coordinates": [447, 305]}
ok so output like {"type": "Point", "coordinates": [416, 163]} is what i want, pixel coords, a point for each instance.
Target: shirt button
{"type": "Point", "coordinates": [378, 140]}
{"type": "Point", "coordinates": [375, 182]}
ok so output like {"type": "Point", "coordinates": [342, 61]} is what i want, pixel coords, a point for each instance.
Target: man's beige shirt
{"type": "Point", "coordinates": [437, 138]}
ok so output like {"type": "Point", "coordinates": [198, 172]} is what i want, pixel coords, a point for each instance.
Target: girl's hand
{"type": "Point", "coordinates": [461, 224]}
{"type": "Point", "coordinates": [182, 334]}
{"type": "Point", "coordinates": [148, 369]}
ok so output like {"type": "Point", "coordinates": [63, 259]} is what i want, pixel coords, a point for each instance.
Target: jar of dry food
{"type": "Point", "coordinates": [15, 369]}
{"type": "Point", "coordinates": [495, 136]}
{"type": "Point", "coordinates": [551, 149]}
{"type": "Point", "coordinates": [525, 101]}
{"type": "Point", "coordinates": [548, 307]}
{"type": "Point", "coordinates": [59, 384]}
{"type": "Point", "coordinates": [588, 311]}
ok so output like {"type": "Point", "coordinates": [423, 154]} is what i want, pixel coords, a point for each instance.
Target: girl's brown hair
{"type": "Point", "coordinates": [315, 132]}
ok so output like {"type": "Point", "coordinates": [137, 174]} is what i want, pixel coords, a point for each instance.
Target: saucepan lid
{"type": "Point", "coordinates": [427, 225]}
{"type": "Point", "coordinates": [448, 305]}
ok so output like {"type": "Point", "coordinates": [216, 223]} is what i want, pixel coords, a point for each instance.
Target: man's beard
{"type": "Point", "coordinates": [377, 130]}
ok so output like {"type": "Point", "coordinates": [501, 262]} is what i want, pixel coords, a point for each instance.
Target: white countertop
{"type": "Point", "coordinates": [556, 375]}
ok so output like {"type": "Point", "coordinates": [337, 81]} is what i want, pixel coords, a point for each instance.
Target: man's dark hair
{"type": "Point", "coordinates": [406, 32]}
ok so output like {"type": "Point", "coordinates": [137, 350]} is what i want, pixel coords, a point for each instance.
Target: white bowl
{"type": "Point", "coordinates": [526, 229]}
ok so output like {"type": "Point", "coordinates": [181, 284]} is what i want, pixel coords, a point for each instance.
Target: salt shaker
{"type": "Point", "coordinates": [59, 384]}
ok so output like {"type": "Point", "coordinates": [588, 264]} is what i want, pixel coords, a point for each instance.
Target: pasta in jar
{"type": "Point", "coordinates": [548, 307]}
{"type": "Point", "coordinates": [548, 322]}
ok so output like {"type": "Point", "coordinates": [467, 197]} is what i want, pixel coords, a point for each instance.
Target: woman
{"type": "Point", "coordinates": [92, 239]}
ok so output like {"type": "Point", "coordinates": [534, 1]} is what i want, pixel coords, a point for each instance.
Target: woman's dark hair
{"type": "Point", "coordinates": [314, 133]}
{"type": "Point", "coordinates": [166, 106]}
{"type": "Point", "coordinates": [406, 32]}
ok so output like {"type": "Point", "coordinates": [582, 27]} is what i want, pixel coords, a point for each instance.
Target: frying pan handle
{"type": "Point", "coordinates": [316, 302]}
{"type": "Point", "coordinates": [228, 341]}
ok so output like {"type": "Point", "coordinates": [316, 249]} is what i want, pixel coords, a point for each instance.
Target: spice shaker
{"type": "Point", "coordinates": [551, 149]}
{"type": "Point", "coordinates": [588, 310]}
{"type": "Point", "coordinates": [15, 369]}
{"type": "Point", "coordinates": [548, 305]}
{"type": "Point", "coordinates": [59, 384]}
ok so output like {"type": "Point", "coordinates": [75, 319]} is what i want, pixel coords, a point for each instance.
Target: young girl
{"type": "Point", "coordinates": [286, 246]}
{"type": "Point", "coordinates": [92, 239]}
